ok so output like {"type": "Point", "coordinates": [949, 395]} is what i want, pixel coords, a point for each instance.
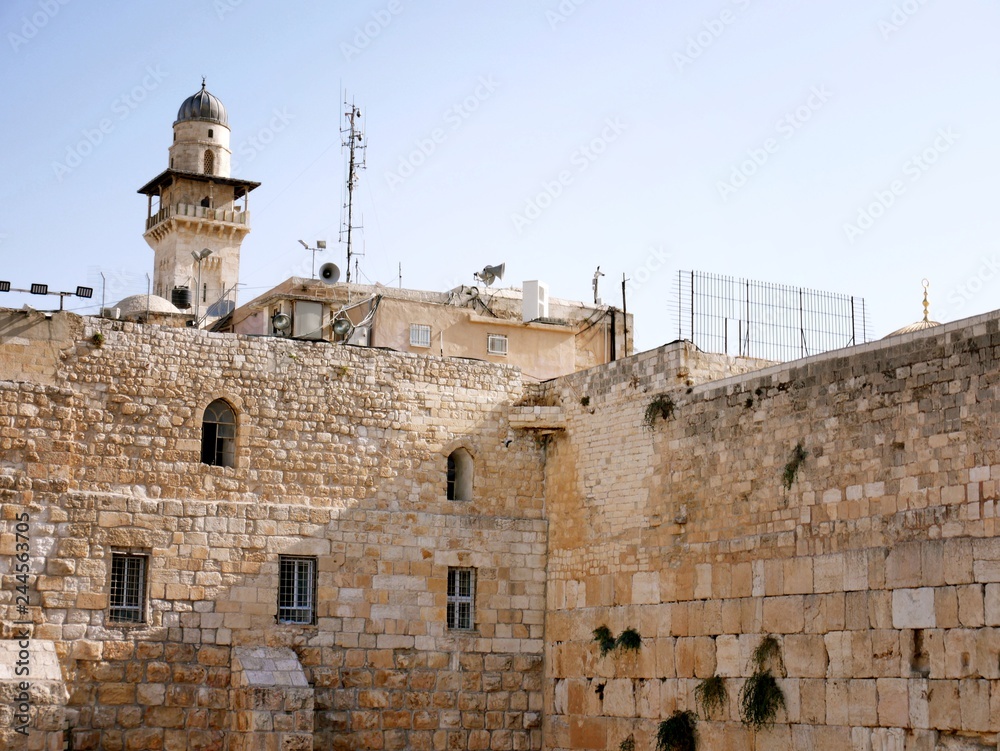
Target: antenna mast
{"type": "Point", "coordinates": [354, 141]}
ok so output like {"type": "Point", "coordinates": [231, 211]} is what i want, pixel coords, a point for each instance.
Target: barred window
{"type": "Point", "coordinates": [209, 162]}
{"type": "Point", "coordinates": [218, 435]}
{"type": "Point", "coordinates": [461, 596]}
{"type": "Point", "coordinates": [496, 344]}
{"type": "Point", "coordinates": [420, 335]}
{"type": "Point", "coordinates": [296, 589]}
{"type": "Point", "coordinates": [127, 603]}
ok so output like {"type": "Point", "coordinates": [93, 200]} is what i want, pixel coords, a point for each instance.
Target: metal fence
{"type": "Point", "coordinates": [747, 318]}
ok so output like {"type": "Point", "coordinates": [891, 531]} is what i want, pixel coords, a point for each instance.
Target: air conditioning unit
{"type": "Point", "coordinates": [534, 300]}
{"type": "Point", "coordinates": [113, 313]}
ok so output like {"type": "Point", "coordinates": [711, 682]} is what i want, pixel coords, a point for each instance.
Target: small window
{"type": "Point", "coordinates": [206, 203]}
{"type": "Point", "coordinates": [127, 603]}
{"type": "Point", "coordinates": [211, 132]}
{"type": "Point", "coordinates": [218, 435]}
{"type": "Point", "coordinates": [209, 163]}
{"type": "Point", "coordinates": [296, 589]}
{"type": "Point", "coordinates": [460, 471]}
{"type": "Point", "coordinates": [496, 344]}
{"type": "Point", "coordinates": [420, 335]}
{"type": "Point", "coordinates": [461, 596]}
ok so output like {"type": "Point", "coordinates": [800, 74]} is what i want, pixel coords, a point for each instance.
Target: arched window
{"type": "Point", "coordinates": [460, 466]}
{"type": "Point", "coordinates": [218, 435]}
{"type": "Point", "coordinates": [209, 162]}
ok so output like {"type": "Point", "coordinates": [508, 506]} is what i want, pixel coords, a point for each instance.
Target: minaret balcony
{"type": "Point", "coordinates": [194, 212]}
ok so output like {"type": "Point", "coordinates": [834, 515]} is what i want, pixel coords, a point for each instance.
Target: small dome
{"type": "Point", "coordinates": [202, 106]}
{"type": "Point", "coordinates": [138, 304]}
{"type": "Point", "coordinates": [910, 328]}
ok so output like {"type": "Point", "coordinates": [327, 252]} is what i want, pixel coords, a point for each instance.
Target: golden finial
{"type": "Point", "coordinates": [926, 304]}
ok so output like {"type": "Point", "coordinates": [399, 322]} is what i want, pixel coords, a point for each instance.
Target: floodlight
{"type": "Point", "coordinates": [4, 286]}
{"type": "Point", "coordinates": [86, 292]}
{"type": "Point", "coordinates": [39, 289]}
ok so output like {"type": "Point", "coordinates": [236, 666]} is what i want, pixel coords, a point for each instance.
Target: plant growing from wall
{"type": "Point", "coordinates": [97, 339]}
{"type": "Point", "coordinates": [605, 639]}
{"type": "Point", "coordinates": [628, 640]}
{"type": "Point", "coordinates": [677, 733]}
{"type": "Point", "coordinates": [661, 407]}
{"type": "Point", "coordinates": [711, 694]}
{"type": "Point", "coordinates": [584, 401]}
{"type": "Point", "coordinates": [761, 697]}
{"type": "Point", "coordinates": [794, 464]}
{"type": "Point", "coordinates": [627, 744]}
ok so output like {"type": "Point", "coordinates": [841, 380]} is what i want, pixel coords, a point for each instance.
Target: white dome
{"type": "Point", "coordinates": [141, 303]}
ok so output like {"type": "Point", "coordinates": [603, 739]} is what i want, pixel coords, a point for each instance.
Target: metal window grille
{"type": "Point", "coordinates": [296, 589]}
{"type": "Point", "coordinates": [420, 335]}
{"type": "Point", "coordinates": [461, 595]}
{"type": "Point", "coordinates": [452, 476]}
{"type": "Point", "coordinates": [128, 588]}
{"type": "Point", "coordinates": [218, 435]}
{"type": "Point", "coordinates": [496, 344]}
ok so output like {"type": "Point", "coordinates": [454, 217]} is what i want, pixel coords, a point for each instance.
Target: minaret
{"type": "Point", "coordinates": [193, 207]}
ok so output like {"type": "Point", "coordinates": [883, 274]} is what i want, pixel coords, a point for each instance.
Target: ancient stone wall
{"type": "Point", "coordinates": [341, 457]}
{"type": "Point", "coordinates": [846, 504]}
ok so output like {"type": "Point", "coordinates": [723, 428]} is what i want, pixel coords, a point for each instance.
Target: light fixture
{"type": "Point", "coordinates": [85, 292]}
{"type": "Point", "coordinates": [39, 289]}
{"type": "Point", "coordinates": [4, 286]}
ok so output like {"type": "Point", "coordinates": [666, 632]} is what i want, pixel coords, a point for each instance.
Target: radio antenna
{"type": "Point", "coordinates": [353, 140]}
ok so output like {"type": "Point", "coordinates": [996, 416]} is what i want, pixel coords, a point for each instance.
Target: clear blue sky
{"type": "Point", "coordinates": [735, 136]}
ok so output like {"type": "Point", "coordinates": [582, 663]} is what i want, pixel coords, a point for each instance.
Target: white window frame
{"type": "Point", "coordinates": [297, 589]}
{"type": "Point", "coordinates": [496, 344]}
{"type": "Point", "coordinates": [461, 599]}
{"type": "Point", "coordinates": [420, 335]}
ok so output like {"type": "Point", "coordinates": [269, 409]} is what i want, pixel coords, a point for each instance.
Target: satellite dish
{"type": "Point", "coordinates": [281, 322]}
{"type": "Point", "coordinates": [491, 273]}
{"type": "Point", "coordinates": [342, 326]}
{"type": "Point", "coordinates": [329, 273]}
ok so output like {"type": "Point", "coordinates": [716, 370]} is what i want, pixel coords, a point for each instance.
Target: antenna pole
{"type": "Point", "coordinates": [355, 144]}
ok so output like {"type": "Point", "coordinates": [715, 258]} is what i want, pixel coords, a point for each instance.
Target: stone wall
{"type": "Point", "coordinates": [873, 559]}
{"type": "Point", "coordinates": [341, 455]}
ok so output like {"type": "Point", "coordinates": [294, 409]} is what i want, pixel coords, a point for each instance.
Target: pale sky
{"type": "Point", "coordinates": [844, 146]}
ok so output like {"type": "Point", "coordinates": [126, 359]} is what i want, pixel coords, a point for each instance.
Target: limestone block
{"type": "Point", "coordinates": [987, 659]}
{"type": "Point", "coordinates": [944, 711]}
{"type": "Point", "coordinates": [946, 607]}
{"type": "Point", "coordinates": [863, 699]}
{"type": "Point", "coordinates": [729, 662]}
{"type": "Point", "coordinates": [919, 712]}
{"type": "Point", "coordinates": [913, 608]}
{"type": "Point", "coordinates": [992, 604]}
{"type": "Point", "coordinates": [971, 605]}
{"type": "Point", "coordinates": [805, 655]}
{"type": "Point", "coordinates": [960, 660]}
{"type": "Point", "coordinates": [646, 588]}
{"type": "Point", "coordinates": [783, 615]}
{"type": "Point", "coordinates": [975, 705]}
{"type": "Point", "coordinates": [893, 702]}
{"type": "Point", "coordinates": [838, 705]}
{"type": "Point", "coordinates": [888, 739]}
{"type": "Point", "coordinates": [903, 566]}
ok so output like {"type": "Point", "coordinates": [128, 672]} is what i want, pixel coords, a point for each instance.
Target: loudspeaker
{"type": "Point", "coordinates": [329, 273]}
